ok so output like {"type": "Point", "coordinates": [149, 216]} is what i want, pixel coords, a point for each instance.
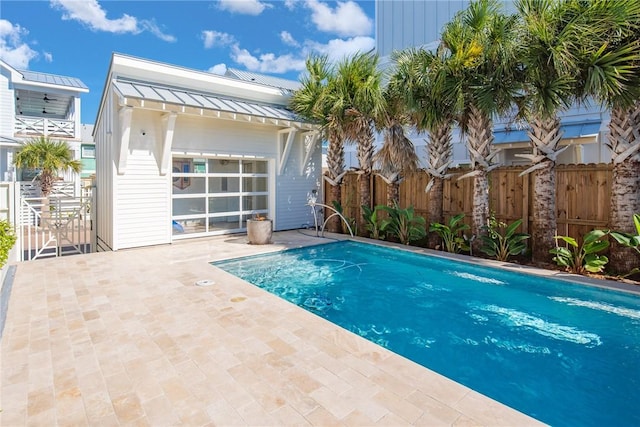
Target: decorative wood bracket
{"type": "Point", "coordinates": [168, 127]}
{"type": "Point", "coordinates": [309, 141]}
{"type": "Point", "coordinates": [284, 152]}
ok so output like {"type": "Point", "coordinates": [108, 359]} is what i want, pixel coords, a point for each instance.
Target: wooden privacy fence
{"type": "Point", "coordinates": [582, 196]}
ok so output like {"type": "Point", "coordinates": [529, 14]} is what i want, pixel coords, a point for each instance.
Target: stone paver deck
{"type": "Point", "coordinates": [126, 338]}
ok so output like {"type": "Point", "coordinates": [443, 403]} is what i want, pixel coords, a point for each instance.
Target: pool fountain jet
{"type": "Point", "coordinates": [313, 203]}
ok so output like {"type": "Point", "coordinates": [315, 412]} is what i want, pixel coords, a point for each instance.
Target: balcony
{"type": "Point", "coordinates": [38, 126]}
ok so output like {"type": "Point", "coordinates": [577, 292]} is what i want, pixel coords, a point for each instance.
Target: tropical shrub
{"type": "Point", "coordinates": [630, 240]}
{"type": "Point", "coordinates": [49, 157]}
{"type": "Point", "coordinates": [582, 258]}
{"type": "Point", "coordinates": [7, 240]}
{"type": "Point", "coordinates": [372, 222]}
{"type": "Point", "coordinates": [452, 234]}
{"type": "Point", "coordinates": [501, 239]}
{"type": "Point", "coordinates": [403, 224]}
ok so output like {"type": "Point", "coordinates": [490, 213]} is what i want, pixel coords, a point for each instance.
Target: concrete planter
{"type": "Point", "coordinates": [259, 231]}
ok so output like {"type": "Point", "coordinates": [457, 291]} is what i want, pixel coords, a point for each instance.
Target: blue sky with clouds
{"type": "Point", "coordinates": [76, 37]}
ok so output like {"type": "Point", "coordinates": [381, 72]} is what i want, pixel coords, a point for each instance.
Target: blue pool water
{"type": "Point", "coordinates": [565, 354]}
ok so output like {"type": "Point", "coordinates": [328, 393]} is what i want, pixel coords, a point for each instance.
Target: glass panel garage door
{"type": "Point", "coordinates": [217, 196]}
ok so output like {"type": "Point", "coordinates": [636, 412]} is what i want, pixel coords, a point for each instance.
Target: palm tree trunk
{"type": "Point", "coordinates": [544, 212]}
{"type": "Point", "coordinates": [365, 198]}
{"type": "Point", "coordinates": [393, 194]}
{"type": "Point", "coordinates": [334, 225]}
{"type": "Point", "coordinates": [335, 173]}
{"type": "Point", "coordinates": [545, 136]}
{"type": "Point", "coordinates": [479, 140]}
{"type": "Point", "coordinates": [436, 194]}
{"type": "Point", "coordinates": [365, 159]}
{"type": "Point", "coordinates": [480, 210]}
{"type": "Point", "coordinates": [625, 196]}
{"type": "Point", "coordinates": [439, 155]}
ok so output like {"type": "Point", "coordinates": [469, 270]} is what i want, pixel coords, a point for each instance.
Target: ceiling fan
{"type": "Point", "coordinates": [47, 99]}
{"type": "Point", "coordinates": [44, 111]}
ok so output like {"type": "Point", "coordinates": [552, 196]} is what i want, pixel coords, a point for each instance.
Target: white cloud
{"type": "Point", "coordinates": [335, 50]}
{"type": "Point", "coordinates": [245, 7]}
{"type": "Point", "coordinates": [267, 62]}
{"type": "Point", "coordinates": [290, 4]}
{"type": "Point", "coordinates": [218, 69]}
{"type": "Point", "coordinates": [338, 49]}
{"type": "Point", "coordinates": [48, 56]}
{"type": "Point", "coordinates": [346, 20]}
{"type": "Point", "coordinates": [287, 38]}
{"type": "Point", "coordinates": [13, 50]}
{"type": "Point", "coordinates": [91, 14]}
{"type": "Point", "coordinates": [153, 28]}
{"type": "Point", "coordinates": [215, 38]}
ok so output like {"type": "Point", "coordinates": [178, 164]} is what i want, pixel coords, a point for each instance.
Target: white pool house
{"type": "Point", "coordinates": [182, 153]}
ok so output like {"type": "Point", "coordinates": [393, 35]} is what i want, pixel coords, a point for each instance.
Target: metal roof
{"type": "Point", "coordinates": [158, 93]}
{"type": "Point", "coordinates": [571, 131]}
{"type": "Point", "coordinates": [272, 81]}
{"type": "Point", "coordinates": [35, 76]}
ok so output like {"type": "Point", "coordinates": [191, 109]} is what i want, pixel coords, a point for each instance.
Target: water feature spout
{"type": "Point", "coordinates": [313, 203]}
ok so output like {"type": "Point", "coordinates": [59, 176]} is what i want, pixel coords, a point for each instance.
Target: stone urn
{"type": "Point", "coordinates": [259, 231]}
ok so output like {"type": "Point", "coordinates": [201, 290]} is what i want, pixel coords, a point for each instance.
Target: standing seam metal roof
{"type": "Point", "coordinates": [277, 82]}
{"type": "Point", "coordinates": [169, 95]}
{"type": "Point", "coordinates": [35, 76]}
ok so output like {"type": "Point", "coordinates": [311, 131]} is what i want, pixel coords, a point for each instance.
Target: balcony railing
{"type": "Point", "coordinates": [36, 126]}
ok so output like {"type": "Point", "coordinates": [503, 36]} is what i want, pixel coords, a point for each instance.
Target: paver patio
{"type": "Point", "coordinates": [126, 338]}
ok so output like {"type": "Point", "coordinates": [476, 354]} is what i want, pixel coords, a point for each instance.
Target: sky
{"type": "Point", "coordinates": [77, 37]}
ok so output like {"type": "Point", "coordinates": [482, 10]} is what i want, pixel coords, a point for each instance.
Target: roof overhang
{"type": "Point", "coordinates": [180, 100]}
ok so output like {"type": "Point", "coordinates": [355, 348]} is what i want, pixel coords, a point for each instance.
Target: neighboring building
{"type": "Point", "coordinates": [182, 153]}
{"type": "Point", "coordinates": [34, 104]}
{"type": "Point", "coordinates": [418, 23]}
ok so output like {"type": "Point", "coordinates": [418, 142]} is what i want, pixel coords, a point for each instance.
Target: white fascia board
{"type": "Point", "coordinates": [31, 85]}
{"type": "Point", "coordinates": [146, 70]}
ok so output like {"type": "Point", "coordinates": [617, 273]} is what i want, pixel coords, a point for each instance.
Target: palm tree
{"type": "Point", "coordinates": [423, 77]}
{"type": "Point", "coordinates": [358, 80]}
{"type": "Point", "coordinates": [481, 46]}
{"type": "Point", "coordinates": [558, 39]}
{"type": "Point", "coordinates": [48, 156]}
{"type": "Point", "coordinates": [397, 157]}
{"type": "Point", "coordinates": [317, 101]}
{"type": "Point", "coordinates": [612, 76]}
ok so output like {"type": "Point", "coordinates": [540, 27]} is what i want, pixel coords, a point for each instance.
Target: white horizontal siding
{"type": "Point", "coordinates": [7, 107]}
{"type": "Point", "coordinates": [143, 209]}
{"type": "Point", "coordinates": [294, 187]}
{"type": "Point", "coordinates": [216, 136]}
{"type": "Point", "coordinates": [104, 179]}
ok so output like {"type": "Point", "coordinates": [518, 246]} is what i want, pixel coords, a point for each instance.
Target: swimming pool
{"type": "Point", "coordinates": [565, 354]}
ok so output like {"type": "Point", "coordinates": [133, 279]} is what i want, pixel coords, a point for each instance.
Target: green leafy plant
{"type": "Point", "coordinates": [403, 224]}
{"type": "Point", "coordinates": [630, 240]}
{"type": "Point", "coordinates": [7, 240]}
{"type": "Point", "coordinates": [582, 258]}
{"type": "Point", "coordinates": [452, 234]}
{"type": "Point", "coordinates": [372, 222]}
{"type": "Point", "coordinates": [501, 240]}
